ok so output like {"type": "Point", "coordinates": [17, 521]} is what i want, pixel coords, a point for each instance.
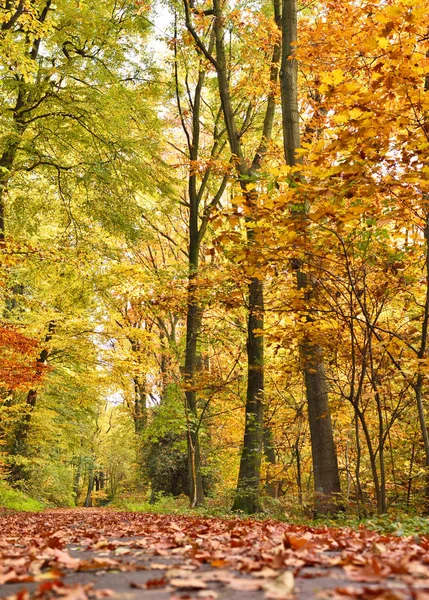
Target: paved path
{"type": "Point", "coordinates": [97, 553]}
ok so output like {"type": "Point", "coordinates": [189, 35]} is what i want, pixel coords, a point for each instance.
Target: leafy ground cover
{"type": "Point", "coordinates": [14, 499]}
{"type": "Point", "coordinates": [399, 522]}
{"type": "Point", "coordinates": [83, 554]}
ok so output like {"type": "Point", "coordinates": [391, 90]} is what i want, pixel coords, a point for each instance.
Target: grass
{"type": "Point", "coordinates": [15, 500]}
{"type": "Point", "coordinates": [398, 523]}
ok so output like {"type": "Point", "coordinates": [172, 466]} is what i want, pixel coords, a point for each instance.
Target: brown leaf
{"type": "Point", "coordinates": [105, 593]}
{"type": "Point", "coordinates": [219, 563]}
{"type": "Point", "coordinates": [192, 583]}
{"type": "Point", "coordinates": [160, 566]}
{"type": "Point", "coordinates": [65, 559]}
{"type": "Point", "coordinates": [208, 594]}
{"type": "Point", "coordinates": [281, 587]}
{"type": "Point", "coordinates": [244, 584]}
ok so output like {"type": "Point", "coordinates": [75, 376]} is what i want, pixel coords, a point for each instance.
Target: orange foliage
{"type": "Point", "coordinates": [19, 367]}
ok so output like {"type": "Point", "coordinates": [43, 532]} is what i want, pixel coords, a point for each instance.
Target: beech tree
{"type": "Point", "coordinates": [326, 478]}
{"type": "Point", "coordinates": [248, 487]}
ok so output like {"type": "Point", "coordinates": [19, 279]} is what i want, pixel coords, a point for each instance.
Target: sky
{"type": "Point", "coordinates": [162, 20]}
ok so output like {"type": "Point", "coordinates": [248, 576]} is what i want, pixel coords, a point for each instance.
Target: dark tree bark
{"type": "Point", "coordinates": [326, 478]}
{"type": "Point", "coordinates": [194, 311]}
{"type": "Point", "coordinates": [422, 352]}
{"type": "Point", "coordinates": [248, 486]}
{"type": "Point", "coordinates": [140, 405]}
{"type": "Point", "coordinates": [272, 483]}
{"type": "Point", "coordinates": [197, 226]}
{"type": "Point", "coordinates": [91, 482]}
{"type": "Point", "coordinates": [76, 480]}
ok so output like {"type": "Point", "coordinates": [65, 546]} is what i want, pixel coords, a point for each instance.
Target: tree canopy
{"type": "Point", "coordinates": [214, 238]}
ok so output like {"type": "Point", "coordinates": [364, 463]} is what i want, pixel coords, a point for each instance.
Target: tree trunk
{"type": "Point", "coordinates": [252, 447]}
{"type": "Point", "coordinates": [418, 390]}
{"type": "Point", "coordinates": [372, 454]}
{"type": "Point", "coordinates": [194, 311]}
{"type": "Point", "coordinates": [248, 487]}
{"type": "Point", "coordinates": [381, 462]}
{"type": "Point", "coordinates": [76, 481]}
{"type": "Point", "coordinates": [298, 471]}
{"type": "Point", "coordinates": [140, 407]}
{"type": "Point", "coordinates": [359, 491]}
{"type": "Point", "coordinates": [7, 160]}
{"type": "Point", "coordinates": [272, 484]}
{"type": "Point", "coordinates": [418, 386]}
{"type": "Point", "coordinates": [91, 481]}
{"type": "Point", "coordinates": [325, 467]}
{"type": "Point", "coordinates": [193, 326]}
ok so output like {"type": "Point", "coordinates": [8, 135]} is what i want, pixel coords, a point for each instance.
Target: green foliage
{"type": "Point", "coordinates": [16, 500]}
{"type": "Point", "coordinates": [167, 465]}
{"type": "Point", "coordinates": [162, 504]}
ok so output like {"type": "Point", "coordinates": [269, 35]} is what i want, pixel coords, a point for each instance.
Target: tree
{"type": "Point", "coordinates": [326, 478]}
{"type": "Point", "coordinates": [248, 487]}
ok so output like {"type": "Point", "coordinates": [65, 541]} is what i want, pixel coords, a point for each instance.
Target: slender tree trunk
{"type": "Point", "coordinates": [410, 475]}
{"type": "Point", "coordinates": [247, 497]}
{"type": "Point", "coordinates": [140, 406]}
{"type": "Point", "coordinates": [194, 311]}
{"type": "Point", "coordinates": [418, 390]}
{"type": "Point", "coordinates": [325, 467]}
{"type": "Point", "coordinates": [298, 471]}
{"type": "Point", "coordinates": [360, 496]}
{"type": "Point", "coordinates": [76, 481]}
{"type": "Point", "coordinates": [248, 487]}
{"type": "Point", "coordinates": [272, 484]}
{"type": "Point", "coordinates": [372, 456]}
{"type": "Point", "coordinates": [193, 326]}
{"type": "Point", "coordinates": [381, 462]}
{"type": "Point", "coordinates": [91, 481]}
{"type": "Point", "coordinates": [418, 385]}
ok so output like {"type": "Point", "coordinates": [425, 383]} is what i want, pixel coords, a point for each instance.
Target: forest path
{"type": "Point", "coordinates": [86, 554]}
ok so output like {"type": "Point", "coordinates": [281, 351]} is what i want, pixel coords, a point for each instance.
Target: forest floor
{"type": "Point", "coordinates": [92, 554]}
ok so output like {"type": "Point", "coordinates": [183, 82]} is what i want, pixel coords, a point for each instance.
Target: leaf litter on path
{"type": "Point", "coordinates": [68, 554]}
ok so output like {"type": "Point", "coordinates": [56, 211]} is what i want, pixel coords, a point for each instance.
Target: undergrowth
{"type": "Point", "coordinates": [398, 523]}
{"type": "Point", "coordinates": [16, 500]}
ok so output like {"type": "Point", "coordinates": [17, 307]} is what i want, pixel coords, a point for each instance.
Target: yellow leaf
{"type": "Point", "coordinates": [383, 42]}
{"type": "Point", "coordinates": [355, 113]}
{"type": "Point", "coordinates": [341, 117]}
{"type": "Point", "coordinates": [394, 11]}
{"type": "Point", "coordinates": [337, 76]}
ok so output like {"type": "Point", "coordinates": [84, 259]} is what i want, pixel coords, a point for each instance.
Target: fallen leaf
{"type": "Point", "coordinates": [244, 585]}
{"type": "Point", "coordinates": [159, 566]}
{"type": "Point", "coordinates": [188, 584]}
{"type": "Point", "coordinates": [265, 573]}
{"type": "Point", "coordinates": [281, 587]}
{"type": "Point", "coordinates": [150, 584]}
{"type": "Point", "coordinates": [65, 559]}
